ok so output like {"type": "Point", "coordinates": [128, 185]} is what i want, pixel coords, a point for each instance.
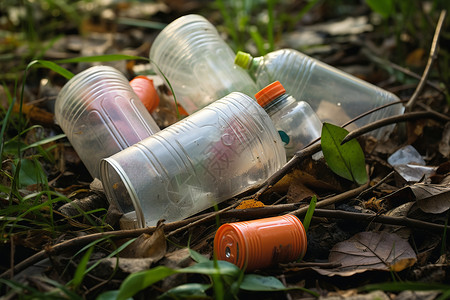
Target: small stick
{"type": "Point", "coordinates": [356, 216]}
{"type": "Point", "coordinates": [332, 200]}
{"type": "Point", "coordinates": [431, 58]}
{"type": "Point", "coordinates": [394, 119]}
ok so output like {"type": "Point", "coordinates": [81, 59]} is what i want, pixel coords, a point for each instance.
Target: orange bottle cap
{"type": "Point", "coordinates": [261, 243]}
{"type": "Point", "coordinates": [269, 93]}
{"type": "Point", "coordinates": [145, 90]}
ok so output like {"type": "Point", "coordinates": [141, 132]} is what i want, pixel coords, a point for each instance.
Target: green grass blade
{"type": "Point", "coordinates": [113, 253]}
{"type": "Point", "coordinates": [80, 272]}
{"type": "Point", "coordinates": [5, 120]}
{"type": "Point", "coordinates": [44, 141]}
{"type": "Point", "coordinates": [102, 58]}
{"type": "Point", "coordinates": [309, 213]}
{"type": "Point", "coordinates": [56, 68]}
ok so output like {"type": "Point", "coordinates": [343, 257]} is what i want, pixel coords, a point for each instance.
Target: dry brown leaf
{"type": "Point", "coordinates": [370, 251]}
{"type": "Point", "coordinates": [148, 246]}
{"type": "Point", "coordinates": [35, 114]}
{"type": "Point", "coordinates": [415, 58]}
{"type": "Point", "coordinates": [432, 198]}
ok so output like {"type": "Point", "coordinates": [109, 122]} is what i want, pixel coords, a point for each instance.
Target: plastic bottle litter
{"type": "Point", "coordinates": [261, 243]}
{"type": "Point", "coordinates": [145, 90]}
{"type": "Point", "coordinates": [409, 164]}
{"type": "Point", "coordinates": [197, 63]}
{"type": "Point", "coordinates": [334, 95]}
{"type": "Point", "coordinates": [101, 115]}
{"type": "Point", "coordinates": [296, 122]}
{"type": "Point", "coordinates": [224, 149]}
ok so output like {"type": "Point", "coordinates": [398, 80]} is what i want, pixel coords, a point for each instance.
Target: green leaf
{"type": "Point", "coordinates": [254, 282]}
{"type": "Point", "coordinates": [208, 268]}
{"type": "Point", "coordinates": [30, 172]}
{"type": "Point", "coordinates": [109, 295]}
{"type": "Point", "coordinates": [383, 7]}
{"type": "Point", "coordinates": [197, 256]}
{"type": "Point", "coordinates": [141, 280]}
{"type": "Point", "coordinates": [187, 291]}
{"type": "Point", "coordinates": [345, 160]}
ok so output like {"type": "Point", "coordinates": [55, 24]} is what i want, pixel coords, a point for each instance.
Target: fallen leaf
{"type": "Point", "coordinates": [345, 160]}
{"type": "Point", "coordinates": [370, 251]}
{"type": "Point", "coordinates": [148, 246]}
{"type": "Point", "coordinates": [415, 58]}
{"type": "Point", "coordinates": [432, 198]}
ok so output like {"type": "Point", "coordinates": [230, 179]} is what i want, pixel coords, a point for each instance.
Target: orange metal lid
{"type": "Point", "coordinates": [145, 90]}
{"type": "Point", "coordinates": [269, 93]}
{"type": "Point", "coordinates": [230, 245]}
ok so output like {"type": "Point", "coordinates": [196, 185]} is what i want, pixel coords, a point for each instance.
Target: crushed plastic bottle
{"type": "Point", "coordinates": [197, 63]}
{"type": "Point", "coordinates": [261, 243]}
{"type": "Point", "coordinates": [409, 164]}
{"type": "Point", "coordinates": [336, 96]}
{"type": "Point", "coordinates": [101, 115]}
{"type": "Point", "coordinates": [296, 122]}
{"type": "Point", "coordinates": [224, 149]}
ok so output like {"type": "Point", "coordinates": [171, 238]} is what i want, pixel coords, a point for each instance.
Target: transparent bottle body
{"type": "Point", "coordinates": [334, 95]}
{"type": "Point", "coordinates": [197, 62]}
{"type": "Point", "coordinates": [224, 149]}
{"type": "Point", "coordinates": [101, 115]}
{"type": "Point", "coordinates": [296, 122]}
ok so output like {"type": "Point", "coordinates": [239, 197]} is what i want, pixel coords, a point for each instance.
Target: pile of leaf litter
{"type": "Point", "coordinates": [379, 234]}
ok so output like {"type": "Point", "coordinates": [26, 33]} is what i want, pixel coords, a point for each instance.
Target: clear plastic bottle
{"type": "Point", "coordinates": [197, 62]}
{"type": "Point", "coordinates": [224, 149]}
{"type": "Point", "coordinates": [101, 115]}
{"type": "Point", "coordinates": [334, 95]}
{"type": "Point", "coordinates": [296, 122]}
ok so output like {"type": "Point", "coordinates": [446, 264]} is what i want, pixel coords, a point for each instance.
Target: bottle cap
{"type": "Point", "coordinates": [261, 243]}
{"type": "Point", "coordinates": [269, 93]}
{"type": "Point", "coordinates": [145, 90]}
{"type": "Point", "coordinates": [243, 59]}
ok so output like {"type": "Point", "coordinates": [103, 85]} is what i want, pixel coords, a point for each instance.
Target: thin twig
{"type": "Point", "coordinates": [377, 185]}
{"type": "Point", "coordinates": [326, 265]}
{"type": "Point", "coordinates": [395, 119]}
{"type": "Point", "coordinates": [84, 240]}
{"type": "Point", "coordinates": [431, 59]}
{"type": "Point", "coordinates": [365, 217]}
{"type": "Point", "coordinates": [332, 200]}
{"type": "Point", "coordinates": [204, 219]}
{"type": "Point", "coordinates": [406, 71]}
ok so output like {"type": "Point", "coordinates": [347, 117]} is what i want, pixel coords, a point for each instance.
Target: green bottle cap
{"type": "Point", "coordinates": [243, 59]}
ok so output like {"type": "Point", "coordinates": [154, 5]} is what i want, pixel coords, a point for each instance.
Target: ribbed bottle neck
{"type": "Point", "coordinates": [254, 65]}
{"type": "Point", "coordinates": [278, 103]}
